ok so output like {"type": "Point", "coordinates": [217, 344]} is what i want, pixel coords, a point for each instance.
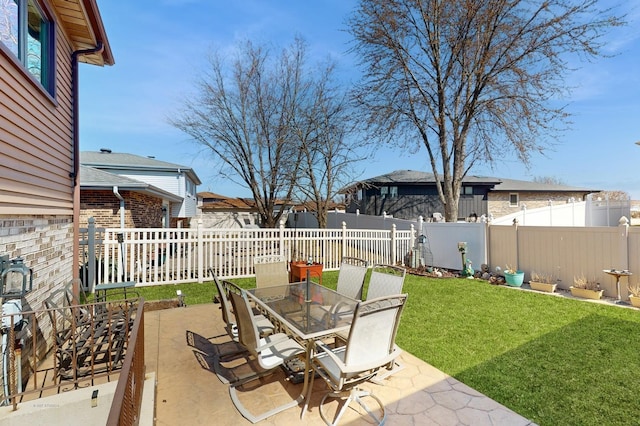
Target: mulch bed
{"type": "Point", "coordinates": [156, 305]}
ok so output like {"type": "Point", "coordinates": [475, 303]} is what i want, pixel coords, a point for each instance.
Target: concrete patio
{"type": "Point", "coordinates": [189, 392]}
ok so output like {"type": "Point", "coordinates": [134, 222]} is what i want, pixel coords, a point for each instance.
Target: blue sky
{"type": "Point", "coordinates": [160, 48]}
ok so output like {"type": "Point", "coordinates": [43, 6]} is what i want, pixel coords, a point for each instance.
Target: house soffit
{"type": "Point", "coordinates": [83, 25]}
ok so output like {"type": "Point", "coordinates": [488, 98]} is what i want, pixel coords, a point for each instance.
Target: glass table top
{"type": "Point", "coordinates": [308, 308]}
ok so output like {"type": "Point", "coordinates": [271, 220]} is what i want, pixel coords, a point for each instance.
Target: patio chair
{"type": "Point", "coordinates": [270, 270]}
{"type": "Point", "coordinates": [370, 347]}
{"type": "Point", "coordinates": [385, 280]}
{"type": "Point", "coordinates": [265, 327]}
{"type": "Point", "coordinates": [351, 277]}
{"type": "Point", "coordinates": [350, 283]}
{"type": "Point", "coordinates": [269, 352]}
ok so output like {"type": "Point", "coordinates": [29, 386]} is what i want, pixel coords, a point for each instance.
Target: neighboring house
{"type": "Point", "coordinates": [41, 44]}
{"type": "Point", "coordinates": [407, 194]}
{"type": "Point", "coordinates": [219, 211]}
{"type": "Point", "coordinates": [116, 201]}
{"type": "Point", "coordinates": [135, 191]}
{"type": "Point", "coordinates": [511, 195]}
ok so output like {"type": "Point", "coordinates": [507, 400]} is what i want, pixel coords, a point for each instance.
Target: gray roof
{"type": "Point", "coordinates": [92, 178]}
{"type": "Point", "coordinates": [525, 185]}
{"type": "Point", "coordinates": [412, 177]}
{"type": "Point", "coordinates": [118, 160]}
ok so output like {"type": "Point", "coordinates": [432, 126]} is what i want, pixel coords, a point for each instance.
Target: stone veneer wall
{"type": "Point", "coordinates": [141, 211]}
{"type": "Point", "coordinates": [498, 202]}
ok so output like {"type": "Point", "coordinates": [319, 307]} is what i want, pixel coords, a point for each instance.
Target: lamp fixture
{"type": "Point", "coordinates": [16, 279]}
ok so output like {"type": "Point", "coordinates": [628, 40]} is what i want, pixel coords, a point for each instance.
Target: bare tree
{"type": "Point", "coordinates": [615, 195]}
{"type": "Point", "coordinates": [328, 154]}
{"type": "Point", "coordinates": [244, 113]}
{"type": "Point", "coordinates": [549, 180]}
{"type": "Point", "coordinates": [471, 80]}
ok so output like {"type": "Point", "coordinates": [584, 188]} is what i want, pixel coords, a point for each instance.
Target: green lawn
{"type": "Point", "coordinates": [553, 360]}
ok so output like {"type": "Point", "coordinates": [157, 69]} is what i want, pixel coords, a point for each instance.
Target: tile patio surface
{"type": "Point", "coordinates": [189, 392]}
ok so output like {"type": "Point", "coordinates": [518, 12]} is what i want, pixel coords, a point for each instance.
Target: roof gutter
{"type": "Point", "coordinates": [74, 96]}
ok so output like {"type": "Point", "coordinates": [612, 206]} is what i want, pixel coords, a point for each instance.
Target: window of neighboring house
{"type": "Point", "coordinates": [513, 200]}
{"type": "Point", "coordinates": [393, 192]}
{"type": "Point", "coordinates": [191, 189]}
{"type": "Point", "coordinates": [27, 32]}
{"type": "Point", "coordinates": [384, 191]}
{"type": "Point", "coordinates": [466, 190]}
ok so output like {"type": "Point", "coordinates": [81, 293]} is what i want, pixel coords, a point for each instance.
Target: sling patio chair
{"type": "Point", "coordinates": [385, 280]}
{"type": "Point", "coordinates": [267, 352]}
{"type": "Point", "coordinates": [370, 347]}
{"type": "Point", "coordinates": [351, 277]}
{"type": "Point", "coordinates": [350, 283]}
{"type": "Point", "coordinates": [265, 326]}
{"type": "Point", "coordinates": [270, 270]}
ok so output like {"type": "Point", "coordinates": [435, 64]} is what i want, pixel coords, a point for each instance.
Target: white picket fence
{"type": "Point", "coordinates": [164, 256]}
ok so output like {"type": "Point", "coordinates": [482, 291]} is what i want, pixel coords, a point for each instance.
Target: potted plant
{"type": "Point", "coordinates": [634, 297]}
{"type": "Point", "coordinates": [513, 276]}
{"type": "Point", "coordinates": [543, 282]}
{"type": "Point", "coordinates": [586, 288]}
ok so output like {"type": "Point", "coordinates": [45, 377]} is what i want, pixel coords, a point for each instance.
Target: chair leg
{"type": "Point", "coordinates": [308, 395]}
{"type": "Point", "coordinates": [354, 395]}
{"type": "Point", "coordinates": [255, 418]}
{"type": "Point", "coordinates": [383, 373]}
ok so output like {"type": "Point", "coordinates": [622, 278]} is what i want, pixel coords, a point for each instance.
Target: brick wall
{"type": "Point", "coordinates": [141, 210]}
{"type": "Point", "coordinates": [46, 245]}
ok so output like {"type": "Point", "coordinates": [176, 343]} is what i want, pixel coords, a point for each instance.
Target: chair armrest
{"type": "Point", "coordinates": [281, 338]}
{"type": "Point", "coordinates": [359, 367]}
{"type": "Point", "coordinates": [375, 364]}
{"type": "Point", "coordinates": [329, 352]}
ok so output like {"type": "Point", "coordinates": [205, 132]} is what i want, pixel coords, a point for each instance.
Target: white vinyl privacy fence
{"type": "Point", "coordinates": [161, 256]}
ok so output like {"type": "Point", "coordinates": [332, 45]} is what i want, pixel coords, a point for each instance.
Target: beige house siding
{"type": "Point", "coordinates": [141, 211]}
{"type": "Point", "coordinates": [36, 136]}
{"type": "Point", "coordinates": [498, 202]}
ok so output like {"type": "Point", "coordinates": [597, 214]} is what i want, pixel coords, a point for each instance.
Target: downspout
{"type": "Point", "coordinates": [74, 96]}
{"type": "Point", "coordinates": [117, 194]}
{"type": "Point", "coordinates": [75, 263]}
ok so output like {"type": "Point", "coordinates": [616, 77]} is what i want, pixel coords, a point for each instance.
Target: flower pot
{"type": "Point", "coordinates": [514, 280]}
{"type": "Point", "coordinates": [586, 293]}
{"type": "Point", "coordinates": [635, 301]}
{"type": "Point", "coordinates": [546, 287]}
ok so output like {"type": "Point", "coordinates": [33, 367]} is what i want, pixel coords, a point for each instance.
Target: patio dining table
{"type": "Point", "coordinates": [306, 311]}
